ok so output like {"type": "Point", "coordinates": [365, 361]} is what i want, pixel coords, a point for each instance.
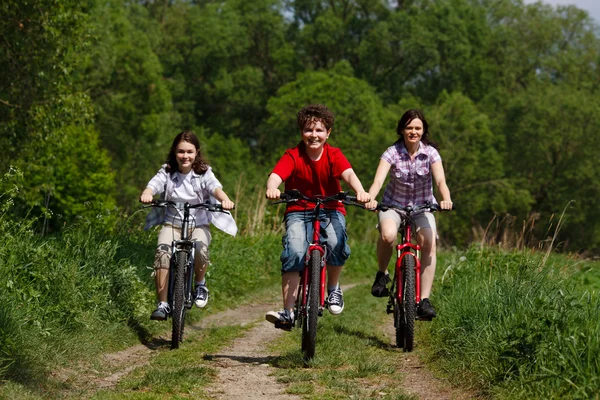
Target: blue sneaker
{"type": "Point", "coordinates": [335, 301]}
{"type": "Point", "coordinates": [201, 296]}
{"type": "Point", "coordinates": [161, 312]}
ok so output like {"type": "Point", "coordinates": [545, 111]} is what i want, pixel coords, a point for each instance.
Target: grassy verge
{"type": "Point", "coordinates": [515, 328]}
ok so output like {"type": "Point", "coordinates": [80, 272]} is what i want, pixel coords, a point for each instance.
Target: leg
{"type": "Point", "coordinates": [426, 238]}
{"type": "Point", "coordinates": [334, 234]}
{"type": "Point", "coordinates": [289, 288]}
{"type": "Point", "coordinates": [162, 259]}
{"type": "Point", "coordinates": [388, 229]}
{"type": "Point", "coordinates": [201, 236]}
{"type": "Point", "coordinates": [292, 263]}
{"type": "Point", "coordinates": [389, 221]}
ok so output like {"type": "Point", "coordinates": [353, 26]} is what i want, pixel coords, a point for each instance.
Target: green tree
{"type": "Point", "coordinates": [362, 128]}
{"type": "Point", "coordinates": [45, 123]}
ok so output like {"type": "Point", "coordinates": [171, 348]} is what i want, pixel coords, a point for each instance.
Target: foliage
{"type": "Point", "coordinates": [515, 327]}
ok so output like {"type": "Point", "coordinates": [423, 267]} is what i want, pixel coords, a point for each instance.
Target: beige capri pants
{"type": "Point", "coordinates": [168, 233]}
{"type": "Point", "coordinates": [423, 220]}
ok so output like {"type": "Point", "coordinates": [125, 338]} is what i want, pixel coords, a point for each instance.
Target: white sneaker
{"type": "Point", "coordinates": [201, 296]}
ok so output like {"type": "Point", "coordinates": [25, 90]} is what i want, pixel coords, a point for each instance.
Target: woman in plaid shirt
{"type": "Point", "coordinates": [413, 163]}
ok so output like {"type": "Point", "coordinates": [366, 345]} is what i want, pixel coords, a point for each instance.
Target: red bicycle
{"type": "Point", "coordinates": [405, 293]}
{"type": "Point", "coordinates": [310, 300]}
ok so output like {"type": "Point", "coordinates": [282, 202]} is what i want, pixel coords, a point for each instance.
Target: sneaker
{"type": "Point", "coordinates": [426, 310]}
{"type": "Point", "coordinates": [161, 312]}
{"type": "Point", "coordinates": [201, 296]}
{"type": "Point", "coordinates": [283, 319]}
{"type": "Point", "coordinates": [379, 288]}
{"type": "Point", "coordinates": [335, 301]}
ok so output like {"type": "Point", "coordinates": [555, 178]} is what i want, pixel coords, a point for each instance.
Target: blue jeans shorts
{"type": "Point", "coordinates": [298, 234]}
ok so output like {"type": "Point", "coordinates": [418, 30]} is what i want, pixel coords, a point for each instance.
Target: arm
{"type": "Point", "coordinates": [220, 195]}
{"type": "Point", "coordinates": [437, 169]}
{"type": "Point", "coordinates": [273, 183]}
{"type": "Point", "coordinates": [382, 171]}
{"type": "Point", "coordinates": [349, 176]}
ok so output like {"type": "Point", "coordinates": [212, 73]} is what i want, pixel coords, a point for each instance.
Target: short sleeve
{"type": "Point", "coordinates": [434, 156]}
{"type": "Point", "coordinates": [339, 162]}
{"type": "Point", "coordinates": [210, 182]}
{"type": "Point", "coordinates": [157, 183]}
{"type": "Point", "coordinates": [389, 155]}
{"type": "Point", "coordinates": [285, 166]}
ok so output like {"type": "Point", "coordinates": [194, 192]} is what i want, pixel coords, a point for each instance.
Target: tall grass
{"type": "Point", "coordinates": [516, 326]}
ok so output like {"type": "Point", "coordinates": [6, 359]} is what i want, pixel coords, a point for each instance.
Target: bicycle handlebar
{"type": "Point", "coordinates": [431, 207]}
{"type": "Point", "coordinates": [290, 196]}
{"type": "Point", "coordinates": [181, 206]}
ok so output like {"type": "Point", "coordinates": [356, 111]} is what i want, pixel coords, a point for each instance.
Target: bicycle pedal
{"type": "Point", "coordinates": [389, 309]}
{"type": "Point", "coordinates": [285, 327]}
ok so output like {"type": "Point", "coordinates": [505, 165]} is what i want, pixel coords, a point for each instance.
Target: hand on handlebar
{"type": "Point", "coordinates": [227, 204]}
{"type": "Point", "coordinates": [371, 205]}
{"type": "Point", "coordinates": [273, 194]}
{"type": "Point", "coordinates": [446, 205]}
{"type": "Point", "coordinates": [146, 198]}
{"type": "Point", "coordinates": [363, 197]}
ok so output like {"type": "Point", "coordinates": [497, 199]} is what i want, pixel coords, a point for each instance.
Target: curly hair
{"type": "Point", "coordinates": [313, 113]}
{"type": "Point", "coordinates": [199, 165]}
{"type": "Point", "coordinates": [406, 119]}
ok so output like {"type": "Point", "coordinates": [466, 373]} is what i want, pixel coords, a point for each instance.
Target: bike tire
{"type": "Point", "coordinates": [309, 327]}
{"type": "Point", "coordinates": [178, 313]}
{"type": "Point", "coordinates": [409, 303]}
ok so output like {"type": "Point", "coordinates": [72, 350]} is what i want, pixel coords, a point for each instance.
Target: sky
{"type": "Point", "coordinates": [591, 6]}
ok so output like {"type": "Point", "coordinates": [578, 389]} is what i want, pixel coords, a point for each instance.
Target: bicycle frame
{"type": "Point", "coordinates": [314, 245]}
{"type": "Point", "coordinates": [187, 246]}
{"type": "Point", "coordinates": [406, 248]}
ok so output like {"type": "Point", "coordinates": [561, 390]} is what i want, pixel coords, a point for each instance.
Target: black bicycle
{"type": "Point", "coordinates": [181, 271]}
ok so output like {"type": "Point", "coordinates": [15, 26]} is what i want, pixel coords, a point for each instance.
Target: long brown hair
{"type": "Point", "coordinates": [199, 165]}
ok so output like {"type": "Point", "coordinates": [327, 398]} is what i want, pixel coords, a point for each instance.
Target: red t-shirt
{"type": "Point", "coordinates": [312, 178]}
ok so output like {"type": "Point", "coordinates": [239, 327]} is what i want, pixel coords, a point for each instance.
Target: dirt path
{"type": "Point", "coordinates": [243, 369]}
{"type": "Point", "coordinates": [418, 380]}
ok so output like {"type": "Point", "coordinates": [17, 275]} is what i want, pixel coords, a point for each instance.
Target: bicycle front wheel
{"type": "Point", "coordinates": [407, 312]}
{"type": "Point", "coordinates": [309, 327]}
{"type": "Point", "coordinates": [178, 298]}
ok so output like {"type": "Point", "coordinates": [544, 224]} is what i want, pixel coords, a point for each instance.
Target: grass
{"type": "Point", "coordinates": [353, 359]}
{"type": "Point", "coordinates": [517, 326]}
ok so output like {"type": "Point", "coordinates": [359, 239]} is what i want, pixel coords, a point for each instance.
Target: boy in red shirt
{"type": "Point", "coordinates": [315, 169]}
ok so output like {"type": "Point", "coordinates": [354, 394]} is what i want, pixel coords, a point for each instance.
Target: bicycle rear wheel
{"type": "Point", "coordinates": [407, 311]}
{"type": "Point", "coordinates": [309, 327]}
{"type": "Point", "coordinates": [178, 297]}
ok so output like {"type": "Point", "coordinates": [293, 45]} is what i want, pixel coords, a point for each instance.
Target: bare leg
{"type": "Point", "coordinates": [385, 243]}
{"type": "Point", "coordinates": [199, 270]}
{"type": "Point", "coordinates": [160, 279]}
{"type": "Point", "coordinates": [426, 238]}
{"type": "Point", "coordinates": [289, 286]}
{"type": "Point", "coordinates": [333, 275]}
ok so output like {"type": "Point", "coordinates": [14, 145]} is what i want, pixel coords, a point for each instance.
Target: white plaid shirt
{"type": "Point", "coordinates": [410, 180]}
{"type": "Point", "coordinates": [204, 186]}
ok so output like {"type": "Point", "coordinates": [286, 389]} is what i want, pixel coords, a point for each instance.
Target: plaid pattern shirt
{"type": "Point", "coordinates": [204, 185]}
{"type": "Point", "coordinates": [410, 180]}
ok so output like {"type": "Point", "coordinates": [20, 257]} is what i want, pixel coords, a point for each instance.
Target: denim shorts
{"type": "Point", "coordinates": [298, 234]}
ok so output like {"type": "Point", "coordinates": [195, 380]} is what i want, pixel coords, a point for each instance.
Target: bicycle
{"type": "Point", "coordinates": [405, 293]}
{"type": "Point", "coordinates": [181, 270]}
{"type": "Point", "coordinates": [310, 299]}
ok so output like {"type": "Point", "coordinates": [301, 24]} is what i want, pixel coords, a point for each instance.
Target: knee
{"type": "Point", "coordinates": [388, 236]}
{"type": "Point", "coordinates": [162, 257]}
{"type": "Point", "coordinates": [428, 244]}
{"type": "Point", "coordinates": [202, 254]}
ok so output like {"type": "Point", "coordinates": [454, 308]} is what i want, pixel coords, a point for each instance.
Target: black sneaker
{"type": "Point", "coordinates": [281, 319]}
{"type": "Point", "coordinates": [161, 312]}
{"type": "Point", "coordinates": [426, 310]}
{"type": "Point", "coordinates": [379, 288]}
{"type": "Point", "coordinates": [335, 301]}
{"type": "Point", "coordinates": [201, 296]}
